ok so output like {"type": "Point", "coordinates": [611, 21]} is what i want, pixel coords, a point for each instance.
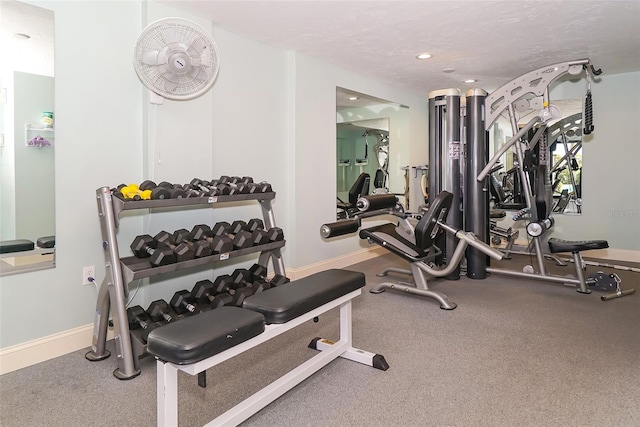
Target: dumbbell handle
{"type": "Point", "coordinates": [166, 316]}
{"type": "Point", "coordinates": [143, 324]}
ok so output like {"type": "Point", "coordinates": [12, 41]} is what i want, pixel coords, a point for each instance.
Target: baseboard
{"type": "Point", "coordinates": [613, 254]}
{"type": "Point", "coordinates": [338, 262]}
{"type": "Point", "coordinates": [42, 349]}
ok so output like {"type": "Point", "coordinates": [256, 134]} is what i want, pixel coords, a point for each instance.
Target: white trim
{"type": "Point", "coordinates": [338, 262]}
{"type": "Point", "coordinates": [42, 349]}
{"type": "Point", "coordinates": [39, 350]}
{"type": "Point", "coordinates": [613, 254]}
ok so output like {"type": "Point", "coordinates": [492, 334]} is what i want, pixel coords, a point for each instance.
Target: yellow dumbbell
{"type": "Point", "coordinates": [133, 192]}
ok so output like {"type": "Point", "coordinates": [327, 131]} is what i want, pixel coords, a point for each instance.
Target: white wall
{"type": "Point", "coordinates": [611, 155]}
{"type": "Point", "coordinates": [98, 142]}
{"type": "Point", "coordinates": [271, 114]}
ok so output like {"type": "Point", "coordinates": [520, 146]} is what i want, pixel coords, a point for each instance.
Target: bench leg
{"type": "Point", "coordinates": [365, 357]}
{"type": "Point", "coordinates": [167, 392]}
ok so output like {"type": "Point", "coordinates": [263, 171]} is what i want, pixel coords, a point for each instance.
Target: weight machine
{"type": "Point", "coordinates": [459, 163]}
{"type": "Point", "coordinates": [414, 238]}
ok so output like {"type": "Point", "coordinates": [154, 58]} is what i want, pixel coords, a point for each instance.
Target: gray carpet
{"type": "Point", "coordinates": [514, 353]}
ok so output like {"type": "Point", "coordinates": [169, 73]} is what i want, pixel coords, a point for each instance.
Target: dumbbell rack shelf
{"type": "Point", "coordinates": [120, 272]}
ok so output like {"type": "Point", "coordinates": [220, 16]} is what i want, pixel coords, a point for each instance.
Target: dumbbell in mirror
{"type": "Point", "coordinates": [144, 246]}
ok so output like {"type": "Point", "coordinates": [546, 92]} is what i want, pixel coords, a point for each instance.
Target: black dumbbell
{"type": "Point", "coordinates": [242, 278]}
{"type": "Point", "coordinates": [201, 248]}
{"type": "Point", "coordinates": [137, 317]}
{"type": "Point", "coordinates": [219, 244]}
{"type": "Point", "coordinates": [260, 187]}
{"type": "Point", "coordinates": [205, 294]}
{"type": "Point", "coordinates": [144, 246]}
{"type": "Point", "coordinates": [184, 303]}
{"type": "Point", "coordinates": [259, 274]}
{"type": "Point", "coordinates": [275, 234]}
{"type": "Point", "coordinates": [225, 289]}
{"type": "Point", "coordinates": [204, 186]}
{"type": "Point", "coordinates": [233, 185]}
{"type": "Point", "coordinates": [240, 240]}
{"type": "Point", "coordinates": [158, 193]}
{"type": "Point", "coordinates": [182, 251]}
{"type": "Point", "coordinates": [160, 311]}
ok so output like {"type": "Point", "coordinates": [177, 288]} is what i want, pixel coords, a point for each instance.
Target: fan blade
{"type": "Point", "coordinates": [169, 35]}
{"type": "Point", "coordinates": [152, 57]}
{"type": "Point", "coordinates": [197, 47]}
{"type": "Point", "coordinates": [169, 85]}
{"type": "Point", "coordinates": [199, 73]}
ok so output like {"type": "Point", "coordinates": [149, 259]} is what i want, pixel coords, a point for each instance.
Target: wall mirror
{"type": "Point", "coordinates": [564, 139]}
{"type": "Point", "coordinates": [367, 161]}
{"type": "Point", "coordinates": [27, 138]}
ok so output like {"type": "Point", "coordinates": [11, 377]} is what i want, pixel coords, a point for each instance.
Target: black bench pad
{"type": "Point", "coordinates": [559, 245]}
{"type": "Point", "coordinates": [20, 245]}
{"type": "Point", "coordinates": [204, 335]}
{"type": "Point", "coordinates": [288, 301]}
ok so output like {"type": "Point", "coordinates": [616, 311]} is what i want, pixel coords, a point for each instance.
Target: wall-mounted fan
{"type": "Point", "coordinates": [176, 59]}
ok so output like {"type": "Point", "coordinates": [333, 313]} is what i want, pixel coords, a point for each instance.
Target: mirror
{"type": "Point", "coordinates": [365, 162]}
{"type": "Point", "coordinates": [564, 139]}
{"type": "Point", "coordinates": [27, 139]}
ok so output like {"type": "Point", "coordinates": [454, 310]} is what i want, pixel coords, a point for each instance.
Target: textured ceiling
{"type": "Point", "coordinates": [491, 41]}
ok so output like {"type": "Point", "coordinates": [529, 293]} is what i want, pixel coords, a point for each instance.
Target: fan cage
{"type": "Point", "coordinates": [186, 33]}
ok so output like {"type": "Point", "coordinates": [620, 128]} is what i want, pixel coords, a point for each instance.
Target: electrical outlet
{"type": "Point", "coordinates": [87, 272]}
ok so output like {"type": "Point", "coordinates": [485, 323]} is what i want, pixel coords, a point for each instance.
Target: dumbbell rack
{"type": "Point", "coordinates": [120, 272]}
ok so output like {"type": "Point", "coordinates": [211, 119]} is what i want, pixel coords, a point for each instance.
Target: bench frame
{"type": "Point", "coordinates": [167, 373]}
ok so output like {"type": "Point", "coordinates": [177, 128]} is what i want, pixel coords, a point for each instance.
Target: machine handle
{"type": "Point", "coordinates": [339, 228]}
{"type": "Point", "coordinates": [588, 114]}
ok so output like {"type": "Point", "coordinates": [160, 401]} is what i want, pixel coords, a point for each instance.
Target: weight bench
{"type": "Point", "coordinates": [575, 247]}
{"type": "Point", "coordinates": [202, 341]}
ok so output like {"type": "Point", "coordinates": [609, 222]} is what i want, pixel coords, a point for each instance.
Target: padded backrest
{"type": "Point", "coordinates": [378, 180]}
{"type": "Point", "coordinates": [427, 227]}
{"type": "Point", "coordinates": [496, 189]}
{"type": "Point", "coordinates": [359, 188]}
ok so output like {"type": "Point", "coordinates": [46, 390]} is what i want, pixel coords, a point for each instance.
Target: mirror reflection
{"type": "Point", "coordinates": [564, 166]}
{"type": "Point", "coordinates": [366, 160]}
{"type": "Point", "coordinates": [363, 161]}
{"type": "Point", "coordinates": [27, 139]}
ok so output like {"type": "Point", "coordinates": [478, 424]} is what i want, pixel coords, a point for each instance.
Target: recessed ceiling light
{"type": "Point", "coordinates": [448, 70]}
{"type": "Point", "coordinates": [470, 81]}
{"type": "Point", "coordinates": [353, 98]}
{"type": "Point", "coordinates": [423, 56]}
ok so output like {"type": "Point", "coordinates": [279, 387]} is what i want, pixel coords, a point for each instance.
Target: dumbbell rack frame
{"type": "Point", "coordinates": [120, 272]}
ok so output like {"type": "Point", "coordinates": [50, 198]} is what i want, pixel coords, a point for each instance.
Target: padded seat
{"type": "Point", "coordinates": [204, 335]}
{"type": "Point", "coordinates": [559, 245]}
{"type": "Point", "coordinates": [20, 245]}
{"type": "Point", "coordinates": [286, 302]}
{"type": "Point", "coordinates": [46, 242]}
{"type": "Point", "coordinates": [497, 213]}
{"type": "Point", "coordinates": [386, 235]}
